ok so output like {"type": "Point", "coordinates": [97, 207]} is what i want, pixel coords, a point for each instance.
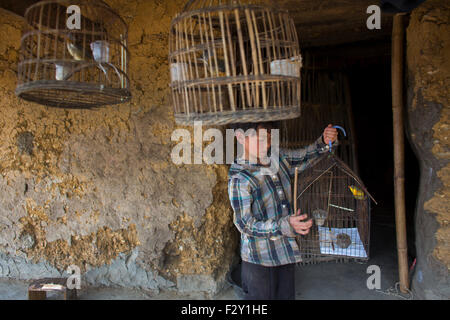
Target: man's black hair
{"type": "Point", "coordinates": [254, 125]}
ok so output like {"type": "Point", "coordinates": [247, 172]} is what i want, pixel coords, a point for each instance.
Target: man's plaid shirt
{"type": "Point", "coordinates": [262, 206]}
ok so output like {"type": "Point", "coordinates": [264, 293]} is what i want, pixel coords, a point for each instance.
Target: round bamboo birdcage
{"type": "Point", "coordinates": [234, 61]}
{"type": "Point", "coordinates": [73, 55]}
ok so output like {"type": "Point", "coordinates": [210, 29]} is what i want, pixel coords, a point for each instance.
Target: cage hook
{"type": "Point", "coordinates": [343, 131]}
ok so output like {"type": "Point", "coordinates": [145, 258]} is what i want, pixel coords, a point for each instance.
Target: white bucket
{"type": "Point", "coordinates": [179, 71]}
{"type": "Point", "coordinates": [100, 50]}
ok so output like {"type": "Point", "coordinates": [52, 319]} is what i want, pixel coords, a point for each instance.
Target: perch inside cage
{"type": "Point", "coordinates": [234, 61]}
{"type": "Point", "coordinates": [73, 55]}
{"type": "Point", "coordinates": [339, 204]}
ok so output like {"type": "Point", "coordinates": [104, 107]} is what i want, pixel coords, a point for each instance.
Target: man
{"type": "Point", "coordinates": [263, 213]}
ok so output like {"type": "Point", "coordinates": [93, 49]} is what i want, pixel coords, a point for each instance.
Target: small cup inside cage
{"type": "Point", "coordinates": [61, 71]}
{"type": "Point", "coordinates": [320, 216]}
{"type": "Point", "coordinates": [100, 50]}
{"type": "Point", "coordinates": [178, 71]}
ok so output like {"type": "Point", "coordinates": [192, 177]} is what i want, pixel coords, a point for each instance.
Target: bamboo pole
{"type": "Point", "coordinates": [399, 152]}
{"type": "Point", "coordinates": [295, 190]}
{"type": "Point", "coordinates": [328, 208]}
{"type": "Point", "coordinates": [295, 200]}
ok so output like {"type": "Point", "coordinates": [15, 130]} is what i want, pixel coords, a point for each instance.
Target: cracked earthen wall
{"type": "Point", "coordinates": [428, 66]}
{"type": "Point", "coordinates": [98, 188]}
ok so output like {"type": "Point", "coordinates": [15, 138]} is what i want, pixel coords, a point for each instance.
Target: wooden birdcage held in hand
{"type": "Point", "coordinates": [339, 204]}
{"type": "Point", "coordinates": [234, 61]}
{"type": "Point", "coordinates": [73, 66]}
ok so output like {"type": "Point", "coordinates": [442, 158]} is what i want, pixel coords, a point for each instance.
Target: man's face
{"type": "Point", "coordinates": [256, 142]}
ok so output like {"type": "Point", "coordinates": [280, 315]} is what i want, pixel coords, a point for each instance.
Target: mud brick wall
{"type": "Point", "coordinates": [98, 189]}
{"type": "Point", "coordinates": [428, 52]}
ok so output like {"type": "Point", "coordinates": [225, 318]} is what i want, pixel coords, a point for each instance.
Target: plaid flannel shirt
{"type": "Point", "coordinates": [262, 206]}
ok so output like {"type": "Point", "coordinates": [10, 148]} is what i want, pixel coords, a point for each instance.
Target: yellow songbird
{"type": "Point", "coordinates": [357, 193]}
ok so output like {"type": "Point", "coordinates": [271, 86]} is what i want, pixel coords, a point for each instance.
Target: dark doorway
{"type": "Point", "coordinates": [370, 85]}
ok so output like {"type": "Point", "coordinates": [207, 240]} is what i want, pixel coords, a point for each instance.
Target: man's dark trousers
{"type": "Point", "coordinates": [268, 283]}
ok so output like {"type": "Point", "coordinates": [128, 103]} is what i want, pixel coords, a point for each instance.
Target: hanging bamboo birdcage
{"type": "Point", "coordinates": [234, 61]}
{"type": "Point", "coordinates": [339, 204]}
{"type": "Point", "coordinates": [73, 58]}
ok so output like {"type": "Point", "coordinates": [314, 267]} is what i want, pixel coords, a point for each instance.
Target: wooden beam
{"type": "Point", "coordinates": [18, 7]}
{"type": "Point", "coordinates": [398, 37]}
{"type": "Point", "coordinates": [341, 32]}
{"type": "Point", "coordinates": [359, 49]}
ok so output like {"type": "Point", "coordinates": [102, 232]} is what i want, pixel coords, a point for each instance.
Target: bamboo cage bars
{"type": "Point", "coordinates": [84, 66]}
{"type": "Point", "coordinates": [234, 61]}
{"type": "Point", "coordinates": [325, 99]}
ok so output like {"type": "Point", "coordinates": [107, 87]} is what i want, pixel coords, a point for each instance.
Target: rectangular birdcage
{"type": "Point", "coordinates": [234, 61]}
{"type": "Point", "coordinates": [335, 198]}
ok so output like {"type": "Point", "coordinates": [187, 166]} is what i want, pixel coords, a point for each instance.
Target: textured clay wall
{"type": "Point", "coordinates": [98, 188]}
{"type": "Point", "coordinates": [428, 52]}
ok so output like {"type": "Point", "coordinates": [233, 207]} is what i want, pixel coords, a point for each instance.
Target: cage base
{"type": "Point", "coordinates": [71, 95]}
{"type": "Point", "coordinates": [335, 259]}
{"type": "Point", "coordinates": [227, 117]}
